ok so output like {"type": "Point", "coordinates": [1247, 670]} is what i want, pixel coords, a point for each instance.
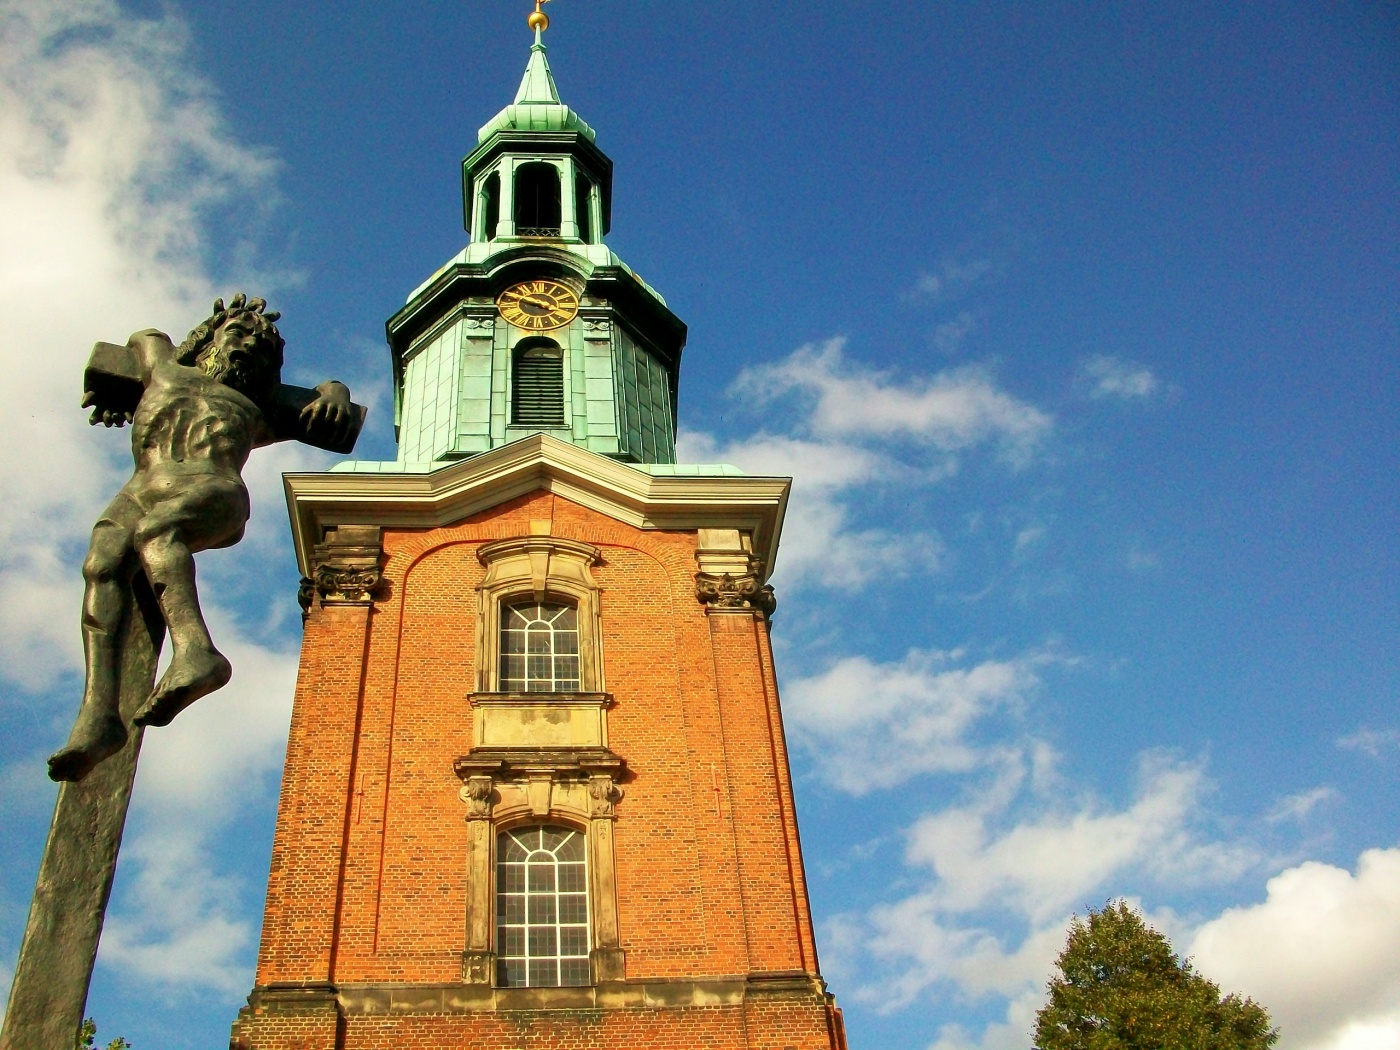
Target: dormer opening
{"type": "Point", "coordinates": [537, 200]}
{"type": "Point", "coordinates": [583, 207]}
{"type": "Point", "coordinates": [490, 206]}
{"type": "Point", "coordinates": [537, 384]}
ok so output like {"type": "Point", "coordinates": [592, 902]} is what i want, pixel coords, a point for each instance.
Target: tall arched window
{"type": "Point", "coordinates": [537, 209]}
{"type": "Point", "coordinates": [542, 938]}
{"type": "Point", "coordinates": [539, 648]}
{"type": "Point", "coordinates": [537, 394]}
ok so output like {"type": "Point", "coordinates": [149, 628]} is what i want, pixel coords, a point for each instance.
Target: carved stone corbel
{"type": "Point", "coordinates": [345, 568]}
{"type": "Point", "coordinates": [479, 793]}
{"type": "Point", "coordinates": [735, 593]}
{"type": "Point", "coordinates": [730, 579]}
{"type": "Point", "coordinates": [604, 794]}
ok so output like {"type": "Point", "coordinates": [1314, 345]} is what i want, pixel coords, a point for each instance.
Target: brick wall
{"type": "Point", "coordinates": [368, 877]}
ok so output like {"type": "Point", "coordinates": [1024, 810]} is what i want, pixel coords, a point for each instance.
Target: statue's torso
{"type": "Point", "coordinates": [189, 423]}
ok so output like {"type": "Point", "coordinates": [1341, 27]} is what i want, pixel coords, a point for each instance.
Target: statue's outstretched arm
{"type": "Point", "coordinates": [325, 417]}
{"type": "Point", "coordinates": [116, 376]}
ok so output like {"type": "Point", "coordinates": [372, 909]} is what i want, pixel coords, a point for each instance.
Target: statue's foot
{"type": "Point", "coordinates": [94, 737]}
{"type": "Point", "coordinates": [191, 674]}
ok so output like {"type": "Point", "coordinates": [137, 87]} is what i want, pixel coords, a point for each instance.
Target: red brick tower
{"type": "Point", "coordinates": [537, 793]}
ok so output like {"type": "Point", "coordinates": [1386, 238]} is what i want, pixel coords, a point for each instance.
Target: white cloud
{"type": "Point", "coordinates": [1046, 864]}
{"type": "Point", "coordinates": [113, 156]}
{"type": "Point", "coordinates": [950, 411]}
{"type": "Point", "coordinates": [821, 545]}
{"type": "Point", "coordinates": [181, 927]}
{"type": "Point", "coordinates": [110, 154]}
{"type": "Point", "coordinates": [878, 725]}
{"type": "Point", "coordinates": [1103, 376]}
{"type": "Point", "coordinates": [1321, 953]}
{"type": "Point", "coordinates": [1371, 742]}
{"type": "Point", "coordinates": [997, 877]}
{"type": "Point", "coordinates": [858, 433]}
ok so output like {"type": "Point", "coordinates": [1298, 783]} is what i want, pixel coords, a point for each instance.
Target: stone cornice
{"type": "Point", "coordinates": [538, 462]}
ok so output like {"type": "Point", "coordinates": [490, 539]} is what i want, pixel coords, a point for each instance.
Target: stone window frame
{"type": "Point", "coordinates": [541, 567]}
{"type": "Point", "coordinates": [580, 792]}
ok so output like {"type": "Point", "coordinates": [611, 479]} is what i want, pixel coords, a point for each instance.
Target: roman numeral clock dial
{"type": "Point", "coordinates": [538, 306]}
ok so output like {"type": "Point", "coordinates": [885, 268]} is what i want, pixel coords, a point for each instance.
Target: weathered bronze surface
{"type": "Point", "coordinates": [196, 414]}
{"type": "Point", "coordinates": [197, 411]}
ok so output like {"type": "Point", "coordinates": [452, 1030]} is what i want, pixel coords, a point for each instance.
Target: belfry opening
{"type": "Point", "coordinates": [537, 791]}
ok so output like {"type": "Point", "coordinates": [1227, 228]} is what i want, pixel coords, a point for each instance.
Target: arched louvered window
{"type": "Point", "coordinates": [537, 208]}
{"type": "Point", "coordinates": [538, 387]}
{"type": "Point", "coordinates": [539, 648]}
{"type": "Point", "coordinates": [542, 938]}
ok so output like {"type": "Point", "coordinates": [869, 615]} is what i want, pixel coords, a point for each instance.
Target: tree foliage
{"type": "Point", "coordinates": [87, 1036]}
{"type": "Point", "coordinates": [1121, 987]}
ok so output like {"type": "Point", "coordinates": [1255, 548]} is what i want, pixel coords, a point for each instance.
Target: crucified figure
{"type": "Point", "coordinates": [196, 412]}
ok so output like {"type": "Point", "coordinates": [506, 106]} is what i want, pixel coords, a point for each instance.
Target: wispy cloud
{"type": "Point", "coordinates": [951, 410]}
{"type": "Point", "coordinates": [1111, 377]}
{"type": "Point", "coordinates": [954, 276]}
{"type": "Point", "coordinates": [1299, 806]}
{"type": "Point", "coordinates": [878, 725]}
{"type": "Point", "coordinates": [1371, 742]}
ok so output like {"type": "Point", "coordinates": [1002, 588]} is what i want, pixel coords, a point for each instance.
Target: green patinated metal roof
{"type": "Point", "coordinates": [537, 106]}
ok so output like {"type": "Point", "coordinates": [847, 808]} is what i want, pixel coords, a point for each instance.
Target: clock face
{"type": "Point", "coordinates": [538, 306]}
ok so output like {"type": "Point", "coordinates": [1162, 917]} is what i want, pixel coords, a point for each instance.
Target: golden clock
{"type": "Point", "coordinates": [538, 306]}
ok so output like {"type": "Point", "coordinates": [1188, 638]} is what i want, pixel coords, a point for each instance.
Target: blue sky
{"type": "Point", "coordinates": [1076, 325]}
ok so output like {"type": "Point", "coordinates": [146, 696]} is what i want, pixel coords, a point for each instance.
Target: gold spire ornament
{"type": "Point", "coordinates": [538, 20]}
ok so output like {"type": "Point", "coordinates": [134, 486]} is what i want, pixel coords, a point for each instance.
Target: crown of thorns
{"type": "Point", "coordinates": [203, 334]}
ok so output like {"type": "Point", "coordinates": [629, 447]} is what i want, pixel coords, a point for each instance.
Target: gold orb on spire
{"type": "Point", "coordinates": [538, 20]}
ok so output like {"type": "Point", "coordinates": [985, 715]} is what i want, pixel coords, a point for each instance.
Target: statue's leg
{"type": "Point", "coordinates": [209, 511]}
{"type": "Point", "coordinates": [99, 731]}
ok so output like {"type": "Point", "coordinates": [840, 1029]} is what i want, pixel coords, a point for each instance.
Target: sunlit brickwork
{"type": "Point", "coordinates": [365, 924]}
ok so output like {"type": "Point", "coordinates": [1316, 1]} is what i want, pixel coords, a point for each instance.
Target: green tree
{"type": "Point", "coordinates": [87, 1036]}
{"type": "Point", "coordinates": [1121, 987]}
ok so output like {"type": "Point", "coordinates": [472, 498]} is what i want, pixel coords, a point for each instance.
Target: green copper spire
{"type": "Point", "coordinates": [477, 365]}
{"type": "Point", "coordinates": [538, 85]}
{"type": "Point", "coordinates": [537, 106]}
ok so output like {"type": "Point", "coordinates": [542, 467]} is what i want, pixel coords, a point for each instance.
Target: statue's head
{"type": "Point", "coordinates": [238, 345]}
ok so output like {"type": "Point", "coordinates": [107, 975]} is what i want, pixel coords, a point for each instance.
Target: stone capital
{"type": "Point", "coordinates": [345, 568]}
{"type": "Point", "coordinates": [727, 593]}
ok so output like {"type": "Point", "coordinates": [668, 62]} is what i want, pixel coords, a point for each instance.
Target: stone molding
{"type": "Point", "coordinates": [370, 1000]}
{"type": "Point", "coordinates": [680, 502]}
{"type": "Point", "coordinates": [345, 567]}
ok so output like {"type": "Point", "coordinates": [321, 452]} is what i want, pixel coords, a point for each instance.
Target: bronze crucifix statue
{"type": "Point", "coordinates": [197, 411]}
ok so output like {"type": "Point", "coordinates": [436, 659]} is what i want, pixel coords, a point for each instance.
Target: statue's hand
{"type": "Point", "coordinates": [331, 413]}
{"type": "Point", "coordinates": [106, 416]}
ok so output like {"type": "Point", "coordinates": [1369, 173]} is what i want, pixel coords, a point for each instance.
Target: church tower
{"type": "Point", "coordinates": [537, 791]}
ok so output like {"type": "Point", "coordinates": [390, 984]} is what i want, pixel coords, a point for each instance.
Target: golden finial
{"type": "Point", "coordinates": [538, 20]}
